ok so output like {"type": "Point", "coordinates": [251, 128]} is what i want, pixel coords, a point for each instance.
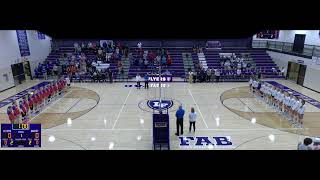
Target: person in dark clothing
{"type": "Point", "coordinates": [194, 77]}
{"type": "Point", "coordinates": [146, 81]}
{"type": "Point", "coordinates": [179, 122]}
{"type": "Point", "coordinates": [110, 76]}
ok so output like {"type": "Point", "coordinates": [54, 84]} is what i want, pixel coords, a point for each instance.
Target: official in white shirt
{"type": "Point", "coordinates": [192, 120]}
{"type": "Point", "coordinates": [301, 110]}
{"type": "Point", "coordinates": [138, 79]}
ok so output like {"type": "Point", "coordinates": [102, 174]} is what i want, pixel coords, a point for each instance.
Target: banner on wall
{"type": "Point", "coordinates": [268, 34]}
{"type": "Point", "coordinates": [23, 42]}
{"type": "Point", "coordinates": [41, 35]}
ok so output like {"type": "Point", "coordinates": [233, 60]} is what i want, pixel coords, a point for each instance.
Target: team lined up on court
{"type": "Point", "coordinates": [285, 103]}
{"type": "Point", "coordinates": [34, 102]}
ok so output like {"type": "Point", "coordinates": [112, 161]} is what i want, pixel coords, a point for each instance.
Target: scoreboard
{"type": "Point", "coordinates": [20, 135]}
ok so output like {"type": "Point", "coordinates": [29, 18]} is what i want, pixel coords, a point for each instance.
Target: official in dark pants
{"type": "Point", "coordinates": [179, 122]}
{"type": "Point", "coordinates": [146, 81]}
{"type": "Point", "coordinates": [192, 120]}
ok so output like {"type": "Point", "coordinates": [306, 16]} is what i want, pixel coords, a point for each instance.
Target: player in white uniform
{"type": "Point", "coordinates": [281, 99]}
{"type": "Point", "coordinates": [286, 103]}
{"type": "Point", "coordinates": [295, 106]}
{"type": "Point", "coordinates": [290, 103]}
{"type": "Point", "coordinates": [275, 97]}
{"type": "Point", "coordinates": [264, 92]}
{"type": "Point", "coordinates": [250, 84]}
{"type": "Point", "coordinates": [269, 88]}
{"type": "Point", "coordinates": [301, 110]}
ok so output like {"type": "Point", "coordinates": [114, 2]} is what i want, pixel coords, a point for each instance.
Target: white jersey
{"type": "Point", "coordinates": [301, 109]}
{"type": "Point", "coordinates": [269, 90]}
{"type": "Point", "coordinates": [273, 92]}
{"type": "Point", "coordinates": [292, 101]}
{"type": "Point", "coordinates": [281, 97]}
{"type": "Point", "coordinates": [286, 100]}
{"type": "Point", "coordinates": [296, 105]}
{"type": "Point", "coordinates": [250, 82]}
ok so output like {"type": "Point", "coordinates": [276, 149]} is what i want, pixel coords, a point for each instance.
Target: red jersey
{"type": "Point", "coordinates": [23, 108]}
{"type": "Point", "coordinates": [25, 103]}
{"type": "Point", "coordinates": [11, 115]}
{"type": "Point", "coordinates": [15, 110]}
{"type": "Point", "coordinates": [34, 99]}
{"type": "Point", "coordinates": [30, 102]}
{"type": "Point", "coordinates": [46, 92]}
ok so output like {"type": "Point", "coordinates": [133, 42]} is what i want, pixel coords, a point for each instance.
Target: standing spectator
{"type": "Point", "coordinates": [146, 81]}
{"type": "Point", "coordinates": [194, 77]}
{"type": "Point", "coordinates": [179, 122]}
{"type": "Point", "coordinates": [217, 74]}
{"type": "Point", "coordinates": [55, 70]}
{"type": "Point", "coordinates": [138, 79]}
{"type": "Point", "coordinates": [110, 76]}
{"type": "Point", "coordinates": [192, 120]}
{"type": "Point", "coordinates": [305, 145]}
{"type": "Point", "coordinates": [122, 73]}
{"type": "Point", "coordinates": [209, 73]}
{"type": "Point", "coordinates": [283, 70]}
{"type": "Point", "coordinates": [190, 76]}
{"type": "Point", "coordinates": [44, 72]}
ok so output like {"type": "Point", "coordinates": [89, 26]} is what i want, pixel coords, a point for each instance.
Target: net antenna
{"type": "Point", "coordinates": [160, 95]}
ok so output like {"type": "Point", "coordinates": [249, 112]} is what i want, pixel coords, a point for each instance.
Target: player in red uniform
{"type": "Point", "coordinates": [16, 112]}
{"type": "Point", "coordinates": [35, 101]}
{"type": "Point", "coordinates": [25, 103]}
{"type": "Point", "coordinates": [10, 114]}
{"type": "Point", "coordinates": [55, 88]}
{"type": "Point", "coordinates": [30, 103]}
{"type": "Point", "coordinates": [39, 100]}
{"type": "Point", "coordinates": [42, 96]}
{"type": "Point", "coordinates": [23, 109]}
{"type": "Point", "coordinates": [46, 94]}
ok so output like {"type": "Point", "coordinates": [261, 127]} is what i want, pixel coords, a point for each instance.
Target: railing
{"type": "Point", "coordinates": [285, 47]}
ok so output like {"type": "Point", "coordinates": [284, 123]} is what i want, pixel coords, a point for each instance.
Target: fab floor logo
{"type": "Point", "coordinates": [205, 142]}
{"type": "Point", "coordinates": [155, 104]}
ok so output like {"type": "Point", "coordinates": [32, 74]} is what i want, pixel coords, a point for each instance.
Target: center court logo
{"type": "Point", "coordinates": [205, 142]}
{"type": "Point", "coordinates": [155, 104]}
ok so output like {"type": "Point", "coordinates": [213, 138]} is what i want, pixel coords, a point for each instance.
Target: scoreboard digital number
{"type": "Point", "coordinates": [20, 135]}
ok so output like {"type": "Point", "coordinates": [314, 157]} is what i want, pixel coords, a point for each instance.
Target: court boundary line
{"type": "Point", "coordinates": [125, 101]}
{"type": "Point", "coordinates": [198, 109]}
{"type": "Point", "coordinates": [172, 129]}
{"type": "Point", "coordinates": [245, 104]}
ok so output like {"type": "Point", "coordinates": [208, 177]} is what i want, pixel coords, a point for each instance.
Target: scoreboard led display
{"type": "Point", "coordinates": [20, 135]}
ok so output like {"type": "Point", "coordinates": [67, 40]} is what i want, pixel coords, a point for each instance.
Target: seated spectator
{"type": "Point", "coordinates": [169, 62]}
{"type": "Point", "coordinates": [305, 145]}
{"type": "Point", "coordinates": [238, 72]}
{"type": "Point", "coordinates": [164, 60]}
{"type": "Point", "coordinates": [140, 62]}
{"type": "Point", "coordinates": [316, 144]}
{"type": "Point", "coordinates": [194, 49]}
{"type": "Point", "coordinates": [90, 46]}
{"type": "Point", "coordinates": [83, 46]}
{"type": "Point", "coordinates": [139, 45]}
{"type": "Point", "coordinates": [75, 46]}
{"type": "Point", "coordinates": [146, 63]}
